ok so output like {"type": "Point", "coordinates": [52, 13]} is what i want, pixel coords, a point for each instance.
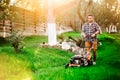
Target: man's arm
{"type": "Point", "coordinates": [83, 32]}
{"type": "Point", "coordinates": [97, 30]}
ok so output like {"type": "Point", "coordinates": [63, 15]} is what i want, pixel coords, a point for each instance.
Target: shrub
{"type": "Point", "coordinates": [60, 38]}
{"type": "Point", "coordinates": [16, 41]}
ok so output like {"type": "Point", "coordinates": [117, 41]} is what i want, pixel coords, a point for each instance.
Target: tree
{"type": "Point", "coordinates": [4, 9]}
{"type": "Point", "coordinates": [107, 12]}
{"type": "Point", "coordinates": [82, 15]}
{"type": "Point", "coordinates": [28, 4]}
{"type": "Point", "coordinates": [15, 39]}
{"type": "Point", "coordinates": [67, 15]}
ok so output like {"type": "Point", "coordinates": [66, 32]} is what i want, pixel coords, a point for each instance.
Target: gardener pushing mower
{"type": "Point", "coordinates": [89, 32]}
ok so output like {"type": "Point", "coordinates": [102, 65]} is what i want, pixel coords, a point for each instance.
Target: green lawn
{"type": "Point", "coordinates": [36, 63]}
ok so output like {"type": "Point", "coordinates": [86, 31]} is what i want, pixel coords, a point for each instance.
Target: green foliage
{"type": "Point", "coordinates": [16, 41]}
{"type": "Point", "coordinates": [5, 8]}
{"type": "Point", "coordinates": [60, 38]}
{"type": "Point", "coordinates": [4, 4]}
{"type": "Point", "coordinates": [65, 36]}
{"type": "Point", "coordinates": [107, 13]}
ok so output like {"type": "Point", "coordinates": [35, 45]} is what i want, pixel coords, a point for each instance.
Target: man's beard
{"type": "Point", "coordinates": [90, 21]}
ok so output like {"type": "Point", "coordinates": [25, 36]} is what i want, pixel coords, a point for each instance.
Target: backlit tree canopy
{"type": "Point", "coordinates": [72, 12]}
{"type": "Point", "coordinates": [107, 12]}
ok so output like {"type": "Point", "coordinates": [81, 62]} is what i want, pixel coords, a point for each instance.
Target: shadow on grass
{"type": "Point", "coordinates": [113, 77]}
{"type": "Point", "coordinates": [3, 42]}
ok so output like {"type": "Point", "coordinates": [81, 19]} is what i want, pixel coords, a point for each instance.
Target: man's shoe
{"type": "Point", "coordinates": [94, 63]}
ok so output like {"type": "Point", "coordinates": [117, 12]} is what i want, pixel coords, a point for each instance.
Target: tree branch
{"type": "Point", "coordinates": [88, 8]}
{"type": "Point", "coordinates": [79, 13]}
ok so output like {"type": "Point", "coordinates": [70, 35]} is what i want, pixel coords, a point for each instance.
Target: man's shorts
{"type": "Point", "coordinates": [92, 45]}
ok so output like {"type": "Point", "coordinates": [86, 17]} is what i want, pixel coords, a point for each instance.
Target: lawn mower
{"type": "Point", "coordinates": [84, 59]}
{"type": "Point", "coordinates": [81, 59]}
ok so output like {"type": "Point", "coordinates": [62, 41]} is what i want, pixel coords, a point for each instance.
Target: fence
{"type": "Point", "coordinates": [23, 20]}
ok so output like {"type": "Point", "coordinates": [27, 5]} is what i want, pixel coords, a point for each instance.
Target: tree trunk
{"type": "Point", "coordinates": [82, 17]}
{"type": "Point", "coordinates": [79, 13]}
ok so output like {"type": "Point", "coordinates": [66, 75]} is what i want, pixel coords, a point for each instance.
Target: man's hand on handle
{"type": "Point", "coordinates": [93, 35]}
{"type": "Point", "coordinates": [83, 35]}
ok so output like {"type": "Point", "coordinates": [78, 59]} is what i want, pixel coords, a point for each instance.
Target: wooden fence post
{"type": "Point", "coordinates": [4, 29]}
{"type": "Point", "coordinates": [24, 19]}
{"type": "Point", "coordinates": [35, 21]}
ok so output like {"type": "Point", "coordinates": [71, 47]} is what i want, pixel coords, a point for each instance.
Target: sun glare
{"type": "Point", "coordinates": [12, 1]}
{"type": "Point", "coordinates": [57, 1]}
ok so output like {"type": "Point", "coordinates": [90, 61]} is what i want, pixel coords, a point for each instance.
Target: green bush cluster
{"type": "Point", "coordinates": [16, 41]}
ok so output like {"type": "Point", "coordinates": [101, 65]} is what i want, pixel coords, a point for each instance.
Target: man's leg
{"type": "Point", "coordinates": [88, 49]}
{"type": "Point", "coordinates": [95, 56]}
{"type": "Point", "coordinates": [95, 50]}
{"type": "Point", "coordinates": [87, 46]}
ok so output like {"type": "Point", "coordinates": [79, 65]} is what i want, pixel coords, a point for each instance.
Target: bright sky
{"type": "Point", "coordinates": [60, 1]}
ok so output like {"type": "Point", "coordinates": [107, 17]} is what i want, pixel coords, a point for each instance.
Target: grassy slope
{"type": "Point", "coordinates": [48, 63]}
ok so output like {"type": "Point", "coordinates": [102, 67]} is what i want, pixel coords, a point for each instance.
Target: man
{"type": "Point", "coordinates": [89, 32]}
